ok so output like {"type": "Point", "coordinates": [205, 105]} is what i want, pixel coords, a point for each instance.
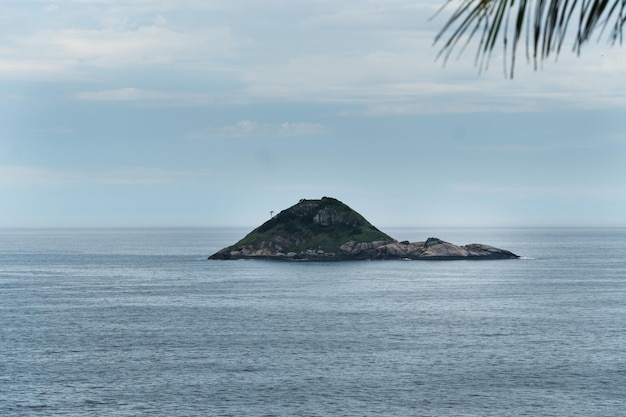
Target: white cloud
{"type": "Point", "coordinates": [51, 8]}
{"type": "Point", "coordinates": [34, 68]}
{"type": "Point", "coordinates": [120, 94]}
{"type": "Point", "coordinates": [153, 98]}
{"type": "Point", "coordinates": [15, 175]}
{"type": "Point", "coordinates": [581, 191]}
{"type": "Point", "coordinates": [146, 45]}
{"type": "Point", "coordinates": [376, 53]}
{"type": "Point", "coordinates": [71, 52]}
{"type": "Point", "coordinates": [123, 94]}
{"type": "Point", "coordinates": [247, 128]}
{"type": "Point", "coordinates": [146, 176]}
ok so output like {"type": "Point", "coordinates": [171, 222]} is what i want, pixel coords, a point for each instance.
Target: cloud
{"type": "Point", "coordinates": [121, 94]}
{"type": "Point", "coordinates": [578, 191]}
{"type": "Point", "coordinates": [51, 8]}
{"type": "Point", "coordinates": [124, 94]}
{"type": "Point", "coordinates": [146, 176]}
{"type": "Point", "coordinates": [12, 175]}
{"type": "Point", "coordinates": [34, 68]}
{"type": "Point", "coordinates": [373, 15]}
{"type": "Point", "coordinates": [149, 97]}
{"type": "Point", "coordinates": [247, 128]}
{"type": "Point", "coordinates": [376, 54]}
{"type": "Point", "coordinates": [71, 52]}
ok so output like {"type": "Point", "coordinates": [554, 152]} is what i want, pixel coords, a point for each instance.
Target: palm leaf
{"type": "Point", "coordinates": [544, 21]}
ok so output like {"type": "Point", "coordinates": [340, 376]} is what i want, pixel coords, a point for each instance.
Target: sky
{"type": "Point", "coordinates": [147, 113]}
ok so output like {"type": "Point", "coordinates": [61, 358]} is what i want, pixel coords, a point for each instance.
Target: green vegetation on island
{"type": "Point", "coordinates": [324, 224]}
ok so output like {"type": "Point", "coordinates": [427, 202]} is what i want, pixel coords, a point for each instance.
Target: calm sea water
{"type": "Point", "coordinates": [139, 323]}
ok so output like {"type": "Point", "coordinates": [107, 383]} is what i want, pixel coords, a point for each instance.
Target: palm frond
{"type": "Point", "coordinates": [545, 22]}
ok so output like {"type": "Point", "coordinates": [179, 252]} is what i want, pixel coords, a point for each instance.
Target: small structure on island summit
{"type": "Point", "coordinates": [329, 230]}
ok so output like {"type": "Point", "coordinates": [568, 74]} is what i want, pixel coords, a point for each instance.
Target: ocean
{"type": "Point", "coordinates": [136, 322]}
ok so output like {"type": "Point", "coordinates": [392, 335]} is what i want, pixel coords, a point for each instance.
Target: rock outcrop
{"type": "Point", "coordinates": [328, 230]}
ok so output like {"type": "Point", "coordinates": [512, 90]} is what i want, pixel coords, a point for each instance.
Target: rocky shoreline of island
{"type": "Point", "coordinates": [329, 230]}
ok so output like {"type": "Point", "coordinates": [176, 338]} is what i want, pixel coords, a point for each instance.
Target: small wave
{"type": "Point", "coordinates": [95, 402]}
{"type": "Point", "coordinates": [32, 406]}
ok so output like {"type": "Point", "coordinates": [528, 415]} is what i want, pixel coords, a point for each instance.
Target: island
{"type": "Point", "coordinates": [329, 230]}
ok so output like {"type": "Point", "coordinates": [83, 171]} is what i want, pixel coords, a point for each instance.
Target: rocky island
{"type": "Point", "coordinates": [329, 230]}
